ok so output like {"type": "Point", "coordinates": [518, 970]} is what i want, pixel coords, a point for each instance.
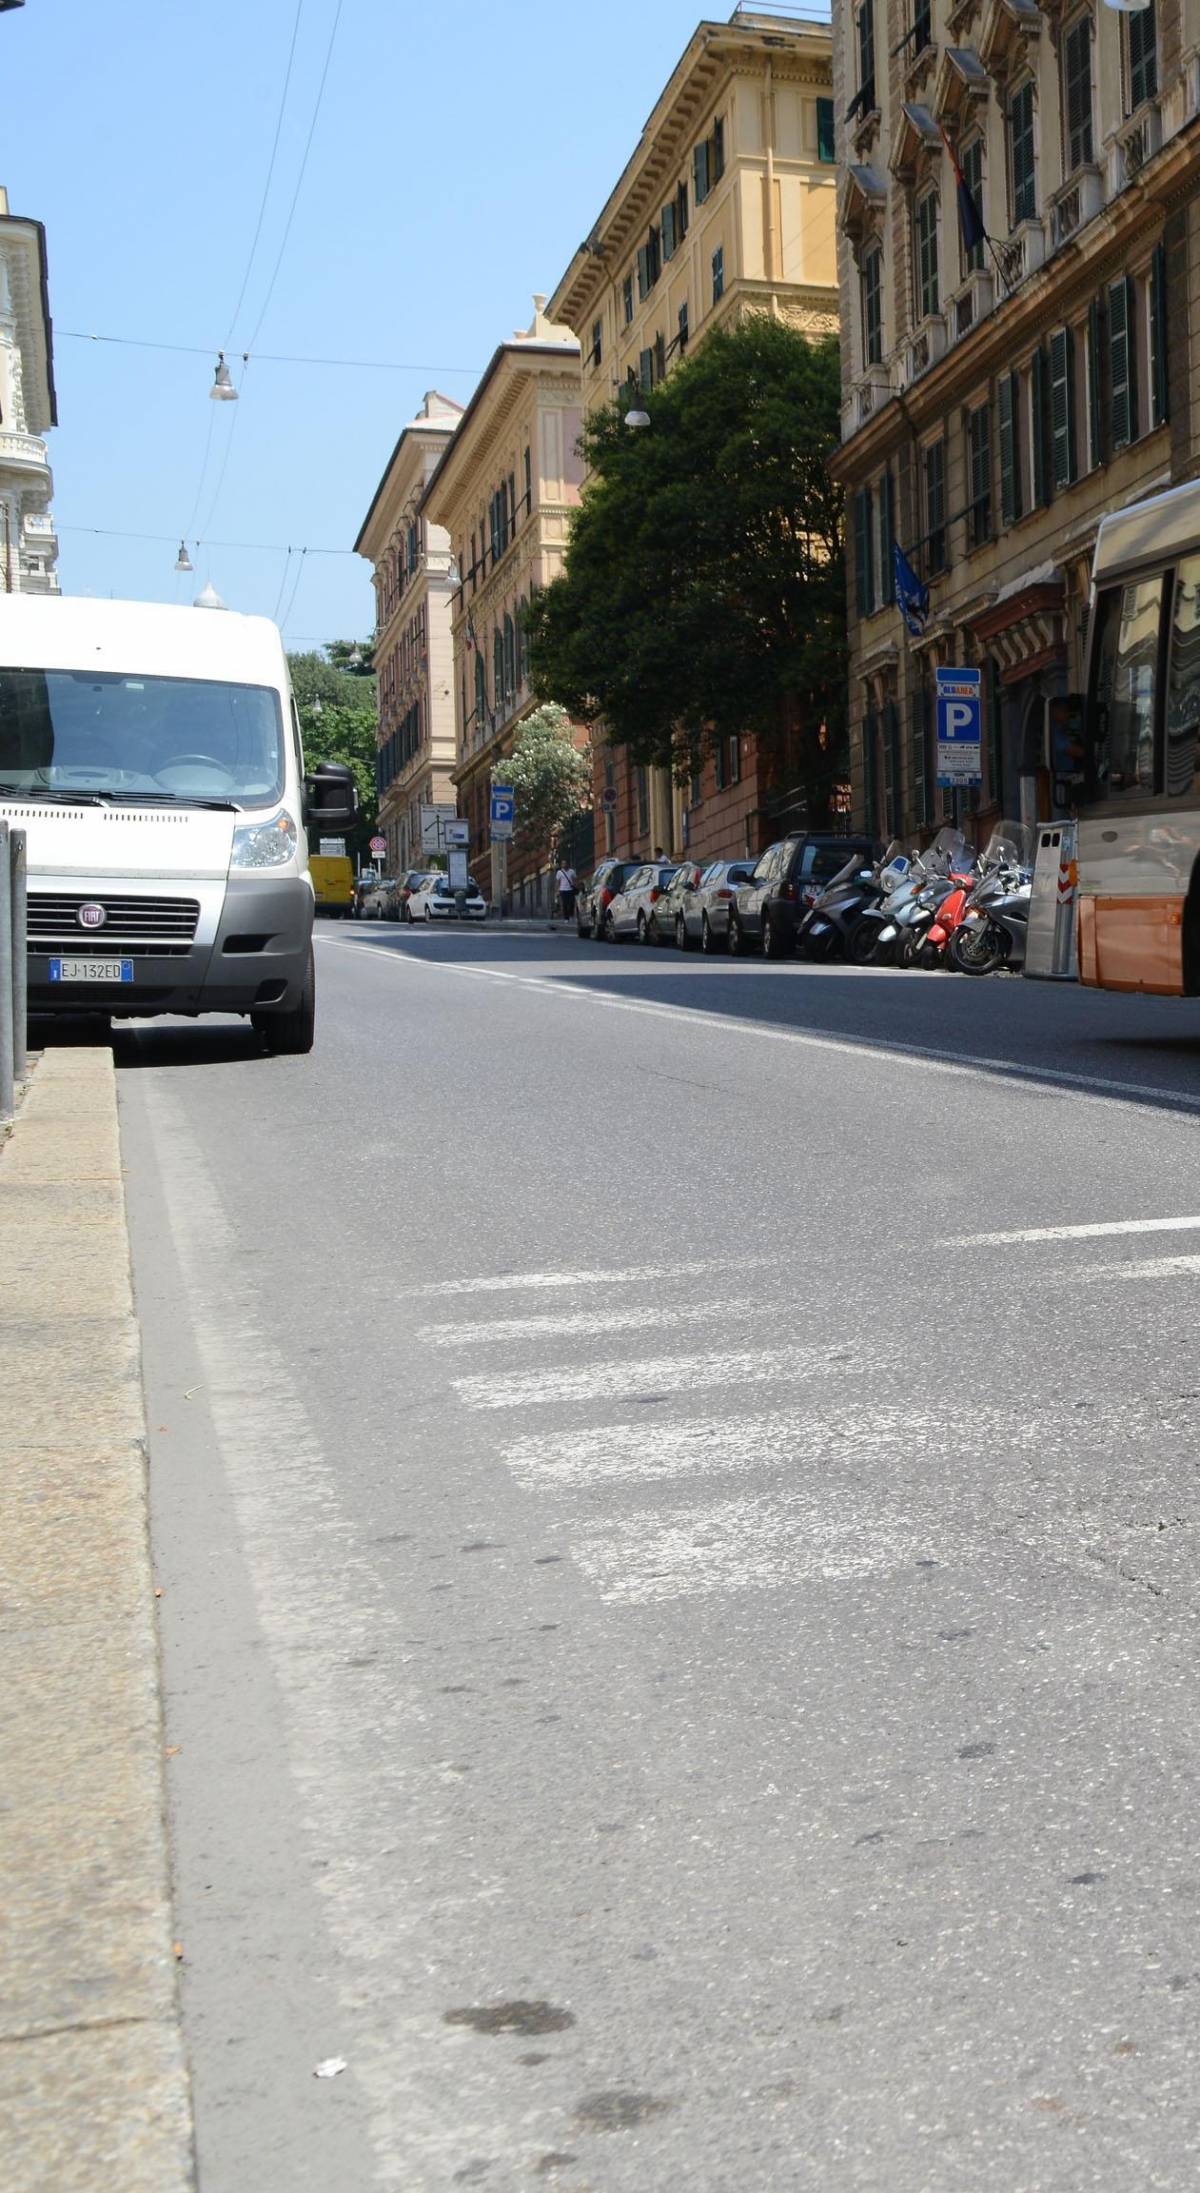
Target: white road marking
{"type": "Point", "coordinates": [1073, 1233]}
{"type": "Point", "coordinates": [1150, 1267]}
{"type": "Point", "coordinates": [953, 1063]}
{"type": "Point", "coordinates": [733, 1545]}
{"type": "Point", "coordinates": [572, 1282]}
{"type": "Point", "coordinates": [621, 1381]}
{"type": "Point", "coordinates": [709, 1445]}
{"type": "Point", "coordinates": [580, 1324]}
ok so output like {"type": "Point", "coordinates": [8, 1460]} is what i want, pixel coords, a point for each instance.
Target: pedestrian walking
{"type": "Point", "coordinates": [564, 884]}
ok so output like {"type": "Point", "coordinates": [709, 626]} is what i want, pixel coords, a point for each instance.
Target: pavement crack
{"type": "Point", "coordinates": [79, 2025]}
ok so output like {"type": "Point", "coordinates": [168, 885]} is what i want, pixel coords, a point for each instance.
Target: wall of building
{"type": "Point", "coordinates": [1056, 376]}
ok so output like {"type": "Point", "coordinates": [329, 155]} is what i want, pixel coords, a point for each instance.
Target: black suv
{"type": "Point", "coordinates": [769, 909]}
{"type": "Point", "coordinates": [593, 898]}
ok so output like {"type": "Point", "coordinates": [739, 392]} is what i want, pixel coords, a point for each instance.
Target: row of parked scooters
{"type": "Point", "coordinates": [945, 906]}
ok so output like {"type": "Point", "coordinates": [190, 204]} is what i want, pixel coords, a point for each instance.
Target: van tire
{"type": "Point", "coordinates": [289, 1033]}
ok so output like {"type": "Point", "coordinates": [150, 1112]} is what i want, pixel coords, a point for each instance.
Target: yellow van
{"type": "Point", "coordinates": [333, 882]}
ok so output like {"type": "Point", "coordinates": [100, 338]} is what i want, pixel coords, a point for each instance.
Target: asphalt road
{"type": "Point", "coordinates": [680, 1658]}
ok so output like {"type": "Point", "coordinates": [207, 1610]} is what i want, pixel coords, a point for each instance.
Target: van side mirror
{"type": "Point", "coordinates": [331, 796]}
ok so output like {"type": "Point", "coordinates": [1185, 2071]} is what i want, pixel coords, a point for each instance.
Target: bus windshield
{"type": "Point", "coordinates": [139, 737]}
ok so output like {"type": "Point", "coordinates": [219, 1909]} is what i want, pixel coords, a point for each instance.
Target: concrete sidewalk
{"type": "Point", "coordinates": [93, 2084]}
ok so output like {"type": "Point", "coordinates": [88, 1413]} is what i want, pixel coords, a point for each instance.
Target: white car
{"type": "Point", "coordinates": [628, 914]}
{"type": "Point", "coordinates": [437, 901]}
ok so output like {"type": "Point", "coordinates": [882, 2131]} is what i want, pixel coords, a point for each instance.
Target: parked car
{"type": "Point", "coordinates": [594, 897]}
{"type": "Point", "coordinates": [706, 909]}
{"type": "Point", "coordinates": [374, 900]}
{"type": "Point", "coordinates": [667, 911]}
{"type": "Point", "coordinates": [365, 881]}
{"type": "Point", "coordinates": [767, 909]}
{"type": "Point", "coordinates": [436, 900]}
{"type": "Point", "coordinates": [402, 890]}
{"type": "Point", "coordinates": [629, 913]}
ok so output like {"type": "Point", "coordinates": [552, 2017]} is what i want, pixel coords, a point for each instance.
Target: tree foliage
{"type": "Point", "coordinates": [550, 778]}
{"type": "Point", "coordinates": [704, 590]}
{"type": "Point", "coordinates": [343, 726]}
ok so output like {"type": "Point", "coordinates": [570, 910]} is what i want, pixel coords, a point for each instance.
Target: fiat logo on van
{"type": "Point", "coordinates": [91, 916]}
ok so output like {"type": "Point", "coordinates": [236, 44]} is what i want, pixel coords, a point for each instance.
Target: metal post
{"type": "Point", "coordinates": [20, 954]}
{"type": "Point", "coordinates": [6, 987]}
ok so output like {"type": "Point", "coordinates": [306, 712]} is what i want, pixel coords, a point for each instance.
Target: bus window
{"type": "Point", "coordinates": [1126, 661]}
{"type": "Point", "coordinates": [1183, 679]}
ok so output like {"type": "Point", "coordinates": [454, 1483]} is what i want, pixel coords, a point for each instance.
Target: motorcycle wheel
{"type": "Point", "coordinates": [818, 948]}
{"type": "Point", "coordinates": [861, 944]}
{"type": "Point", "coordinates": [976, 951]}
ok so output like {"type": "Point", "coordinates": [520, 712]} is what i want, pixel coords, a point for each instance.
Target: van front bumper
{"type": "Point", "coordinates": [257, 959]}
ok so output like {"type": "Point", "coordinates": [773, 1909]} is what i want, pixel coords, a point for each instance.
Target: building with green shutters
{"type": "Point", "coordinates": [1006, 379]}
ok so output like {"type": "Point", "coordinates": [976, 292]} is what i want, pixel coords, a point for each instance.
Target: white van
{"type": "Point", "coordinates": [152, 756]}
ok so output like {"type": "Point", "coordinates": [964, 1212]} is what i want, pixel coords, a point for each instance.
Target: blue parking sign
{"type": "Point", "coordinates": [503, 810]}
{"type": "Point", "coordinates": [959, 728]}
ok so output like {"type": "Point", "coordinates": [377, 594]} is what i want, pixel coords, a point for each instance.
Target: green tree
{"type": "Point", "coordinates": [704, 591]}
{"type": "Point", "coordinates": [338, 722]}
{"type": "Point", "coordinates": [550, 778]}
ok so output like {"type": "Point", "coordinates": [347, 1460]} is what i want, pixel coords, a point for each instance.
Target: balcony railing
{"type": "Point", "coordinates": [23, 452]}
{"type": "Point", "coordinates": [1076, 204]}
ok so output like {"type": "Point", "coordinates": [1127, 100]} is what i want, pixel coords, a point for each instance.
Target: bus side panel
{"type": "Point", "coordinates": [1132, 943]}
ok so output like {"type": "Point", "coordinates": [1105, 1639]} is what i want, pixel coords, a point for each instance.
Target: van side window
{"type": "Point", "coordinates": [1183, 680]}
{"type": "Point", "coordinates": [1125, 668]}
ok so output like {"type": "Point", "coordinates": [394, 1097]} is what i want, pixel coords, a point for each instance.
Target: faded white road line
{"type": "Point", "coordinates": [572, 1282]}
{"type": "Point", "coordinates": [627, 1380]}
{"type": "Point", "coordinates": [734, 1545]}
{"type": "Point", "coordinates": [954, 1064]}
{"type": "Point", "coordinates": [1073, 1233]}
{"type": "Point", "coordinates": [1149, 1267]}
{"type": "Point", "coordinates": [646, 1317]}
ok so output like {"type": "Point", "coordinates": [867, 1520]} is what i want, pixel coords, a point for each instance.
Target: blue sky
{"type": "Point", "coordinates": [460, 156]}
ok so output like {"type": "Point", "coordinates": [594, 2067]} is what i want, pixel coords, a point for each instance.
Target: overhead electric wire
{"type": "Point", "coordinates": [121, 533]}
{"type": "Point", "coordinates": [287, 565]}
{"type": "Point", "coordinates": [312, 127]}
{"type": "Point", "coordinates": [295, 590]}
{"type": "Point", "coordinates": [287, 78]}
{"type": "Point", "coordinates": [265, 357]}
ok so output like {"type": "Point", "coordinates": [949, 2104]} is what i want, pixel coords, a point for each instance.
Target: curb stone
{"type": "Point", "coordinates": [94, 2094]}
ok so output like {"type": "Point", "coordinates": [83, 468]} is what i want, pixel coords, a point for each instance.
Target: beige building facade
{"type": "Point", "coordinates": [726, 207]}
{"type": "Point", "coordinates": [28, 542]}
{"type": "Point", "coordinates": [1002, 393]}
{"type": "Point", "coordinates": [503, 495]}
{"type": "Point", "coordinates": [410, 559]}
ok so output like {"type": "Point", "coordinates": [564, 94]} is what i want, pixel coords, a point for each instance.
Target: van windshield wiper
{"type": "Point", "coordinates": [44, 792]}
{"type": "Point", "coordinates": [169, 799]}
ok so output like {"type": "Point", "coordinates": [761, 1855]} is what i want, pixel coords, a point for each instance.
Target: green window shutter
{"type": "Point", "coordinates": [1159, 393]}
{"type": "Point", "coordinates": [887, 534]}
{"type": "Point", "coordinates": [1143, 56]}
{"type": "Point", "coordinates": [646, 371]}
{"type": "Point", "coordinates": [1062, 406]}
{"type": "Point", "coordinates": [1095, 350]}
{"type": "Point", "coordinates": [1021, 155]}
{"type": "Point", "coordinates": [681, 211]}
{"type": "Point", "coordinates": [1008, 405]}
{"type": "Point", "coordinates": [919, 764]}
{"type": "Point", "coordinates": [643, 271]}
{"type": "Point", "coordinates": [700, 180]}
{"type": "Point", "coordinates": [1043, 485]}
{"type": "Point", "coordinates": [892, 767]}
{"type": "Point", "coordinates": [825, 146]}
{"type": "Point", "coordinates": [1122, 364]}
{"type": "Point", "coordinates": [668, 230]}
{"type": "Point", "coordinates": [863, 562]}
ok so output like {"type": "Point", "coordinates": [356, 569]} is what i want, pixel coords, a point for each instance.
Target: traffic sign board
{"type": "Point", "coordinates": [456, 832]}
{"type": "Point", "coordinates": [608, 799]}
{"type": "Point", "coordinates": [379, 845]}
{"type": "Point", "coordinates": [504, 807]}
{"type": "Point", "coordinates": [959, 728]}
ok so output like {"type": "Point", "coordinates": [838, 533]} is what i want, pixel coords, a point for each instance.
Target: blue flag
{"type": "Point", "coordinates": [912, 595]}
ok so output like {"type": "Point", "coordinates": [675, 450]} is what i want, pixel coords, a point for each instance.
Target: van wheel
{"type": "Point", "coordinates": [289, 1034]}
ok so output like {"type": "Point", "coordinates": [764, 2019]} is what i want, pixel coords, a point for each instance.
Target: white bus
{"type": "Point", "coordinates": [152, 756]}
{"type": "Point", "coordinates": [1139, 795]}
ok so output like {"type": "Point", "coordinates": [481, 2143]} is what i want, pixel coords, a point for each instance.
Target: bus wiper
{"type": "Point", "coordinates": [44, 792]}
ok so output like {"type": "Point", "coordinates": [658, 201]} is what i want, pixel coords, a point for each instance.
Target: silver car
{"type": "Point", "coordinates": [706, 909]}
{"type": "Point", "coordinates": [628, 914]}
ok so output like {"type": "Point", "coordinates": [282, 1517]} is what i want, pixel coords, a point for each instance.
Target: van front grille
{"type": "Point", "coordinates": [54, 918]}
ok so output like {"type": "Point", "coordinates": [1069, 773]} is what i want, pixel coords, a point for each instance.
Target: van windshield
{"type": "Point", "coordinates": [139, 737]}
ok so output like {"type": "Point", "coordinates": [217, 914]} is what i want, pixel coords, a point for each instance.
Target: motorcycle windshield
{"type": "Point", "coordinates": [949, 851]}
{"type": "Point", "coordinates": [1010, 846]}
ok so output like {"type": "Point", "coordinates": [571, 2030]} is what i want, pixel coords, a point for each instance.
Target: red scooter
{"type": "Point", "coordinates": [931, 951]}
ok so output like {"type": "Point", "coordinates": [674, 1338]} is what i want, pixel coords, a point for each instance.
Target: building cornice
{"type": "Point", "coordinates": [23, 243]}
{"type": "Point", "coordinates": [412, 448]}
{"type": "Point", "coordinates": [1055, 291]}
{"type": "Point", "coordinates": [515, 368]}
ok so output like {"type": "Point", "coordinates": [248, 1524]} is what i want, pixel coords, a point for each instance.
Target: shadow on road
{"type": "Point", "coordinates": [1059, 1033]}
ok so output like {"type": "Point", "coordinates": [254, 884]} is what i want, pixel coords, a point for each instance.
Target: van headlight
{"type": "Point", "coordinates": [264, 844]}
